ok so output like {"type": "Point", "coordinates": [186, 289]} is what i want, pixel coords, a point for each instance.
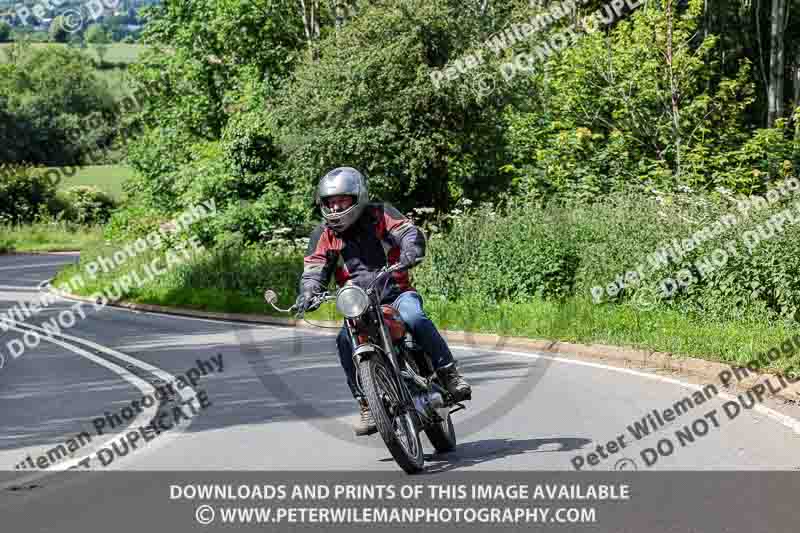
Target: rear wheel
{"type": "Point", "coordinates": [398, 430]}
{"type": "Point", "coordinates": [442, 435]}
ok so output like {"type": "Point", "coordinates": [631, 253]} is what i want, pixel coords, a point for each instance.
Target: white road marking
{"type": "Point", "coordinates": [187, 394]}
{"type": "Point", "coordinates": [37, 265]}
{"type": "Point", "coordinates": [786, 420]}
{"type": "Point", "coordinates": [141, 419]}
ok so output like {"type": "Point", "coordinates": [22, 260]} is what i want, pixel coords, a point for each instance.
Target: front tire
{"type": "Point", "coordinates": [398, 432]}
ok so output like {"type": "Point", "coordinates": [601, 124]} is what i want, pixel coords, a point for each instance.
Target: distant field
{"type": "Point", "coordinates": [117, 52]}
{"type": "Point", "coordinates": [108, 178]}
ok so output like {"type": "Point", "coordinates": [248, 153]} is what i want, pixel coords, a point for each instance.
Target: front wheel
{"type": "Point", "coordinates": [399, 432]}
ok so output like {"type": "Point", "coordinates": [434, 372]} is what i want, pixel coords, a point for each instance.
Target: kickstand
{"type": "Point", "coordinates": [461, 407]}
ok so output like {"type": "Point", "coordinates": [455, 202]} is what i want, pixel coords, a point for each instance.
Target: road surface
{"type": "Point", "coordinates": [277, 400]}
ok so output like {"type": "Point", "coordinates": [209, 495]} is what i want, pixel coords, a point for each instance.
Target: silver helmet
{"type": "Point", "coordinates": [343, 181]}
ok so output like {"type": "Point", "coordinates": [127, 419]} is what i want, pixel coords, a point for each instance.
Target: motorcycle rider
{"type": "Point", "coordinates": [356, 240]}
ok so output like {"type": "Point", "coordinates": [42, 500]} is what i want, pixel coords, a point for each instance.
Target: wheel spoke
{"type": "Point", "coordinates": [402, 424]}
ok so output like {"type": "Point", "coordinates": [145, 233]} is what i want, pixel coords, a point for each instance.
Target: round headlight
{"type": "Point", "coordinates": [352, 301]}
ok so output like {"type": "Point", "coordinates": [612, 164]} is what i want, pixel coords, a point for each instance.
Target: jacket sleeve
{"type": "Point", "coordinates": [403, 234]}
{"type": "Point", "coordinates": [319, 262]}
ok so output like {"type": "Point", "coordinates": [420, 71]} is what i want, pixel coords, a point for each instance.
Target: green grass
{"type": "Point", "coordinates": [108, 178]}
{"type": "Point", "coordinates": [217, 282]}
{"type": "Point", "coordinates": [581, 321]}
{"type": "Point", "coordinates": [48, 237]}
{"type": "Point", "coordinates": [117, 52]}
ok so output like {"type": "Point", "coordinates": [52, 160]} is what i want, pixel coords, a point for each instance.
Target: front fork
{"type": "Point", "coordinates": [365, 351]}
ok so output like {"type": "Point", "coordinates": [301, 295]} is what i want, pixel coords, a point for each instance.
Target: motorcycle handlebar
{"type": "Point", "coordinates": [271, 297]}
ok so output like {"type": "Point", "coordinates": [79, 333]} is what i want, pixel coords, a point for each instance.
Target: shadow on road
{"type": "Point", "coordinates": [482, 451]}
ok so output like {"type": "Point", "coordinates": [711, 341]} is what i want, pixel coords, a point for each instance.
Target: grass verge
{"type": "Point", "coordinates": [234, 283]}
{"type": "Point", "coordinates": [48, 237]}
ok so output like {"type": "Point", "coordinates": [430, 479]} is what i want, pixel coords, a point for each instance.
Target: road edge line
{"type": "Point", "coordinates": [617, 356]}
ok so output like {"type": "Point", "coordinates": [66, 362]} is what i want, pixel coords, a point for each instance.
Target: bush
{"type": "Point", "coordinates": [23, 194]}
{"type": "Point", "coordinates": [5, 31]}
{"type": "Point", "coordinates": [494, 256]}
{"type": "Point", "coordinates": [527, 252]}
{"type": "Point", "coordinates": [132, 221]}
{"type": "Point", "coordinates": [86, 205]}
{"type": "Point", "coordinates": [54, 109]}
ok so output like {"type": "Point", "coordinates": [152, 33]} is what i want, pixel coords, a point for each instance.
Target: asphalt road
{"type": "Point", "coordinates": [279, 401]}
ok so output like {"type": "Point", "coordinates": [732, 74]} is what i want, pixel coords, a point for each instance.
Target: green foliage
{"type": "Point", "coordinates": [23, 194]}
{"type": "Point", "coordinates": [156, 157]}
{"type": "Point", "coordinates": [86, 205]}
{"type": "Point", "coordinates": [249, 145]}
{"type": "Point", "coordinates": [55, 110]}
{"type": "Point", "coordinates": [527, 252]}
{"type": "Point", "coordinates": [57, 32]}
{"type": "Point", "coordinates": [5, 32]}
{"type": "Point", "coordinates": [96, 34]}
{"type": "Point", "coordinates": [494, 256]}
{"type": "Point", "coordinates": [133, 221]}
{"type": "Point", "coordinates": [48, 235]}
{"type": "Point", "coordinates": [213, 45]}
{"type": "Point", "coordinates": [602, 119]}
{"type": "Point", "coordinates": [368, 101]}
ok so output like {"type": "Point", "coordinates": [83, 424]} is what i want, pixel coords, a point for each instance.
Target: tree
{"type": "Point", "coordinates": [57, 32]}
{"type": "Point", "coordinates": [777, 59]}
{"type": "Point", "coordinates": [217, 48]}
{"type": "Point", "coordinates": [98, 36]}
{"type": "Point", "coordinates": [5, 31]}
{"type": "Point", "coordinates": [95, 34]}
{"type": "Point", "coordinates": [368, 101]}
{"type": "Point", "coordinates": [58, 109]}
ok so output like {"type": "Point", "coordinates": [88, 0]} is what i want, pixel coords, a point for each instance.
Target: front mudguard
{"type": "Point", "coordinates": [369, 351]}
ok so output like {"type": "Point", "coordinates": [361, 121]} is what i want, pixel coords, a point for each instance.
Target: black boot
{"type": "Point", "coordinates": [455, 384]}
{"type": "Point", "coordinates": [366, 425]}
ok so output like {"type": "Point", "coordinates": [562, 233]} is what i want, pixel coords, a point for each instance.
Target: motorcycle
{"type": "Point", "coordinates": [393, 373]}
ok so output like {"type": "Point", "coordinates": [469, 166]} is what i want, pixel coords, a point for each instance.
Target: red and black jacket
{"type": "Point", "coordinates": [376, 239]}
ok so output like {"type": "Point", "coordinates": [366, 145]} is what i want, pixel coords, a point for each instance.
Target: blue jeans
{"type": "Point", "coordinates": [409, 305]}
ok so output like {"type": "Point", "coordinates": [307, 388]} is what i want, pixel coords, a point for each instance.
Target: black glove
{"type": "Point", "coordinates": [306, 303]}
{"type": "Point", "coordinates": [409, 259]}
